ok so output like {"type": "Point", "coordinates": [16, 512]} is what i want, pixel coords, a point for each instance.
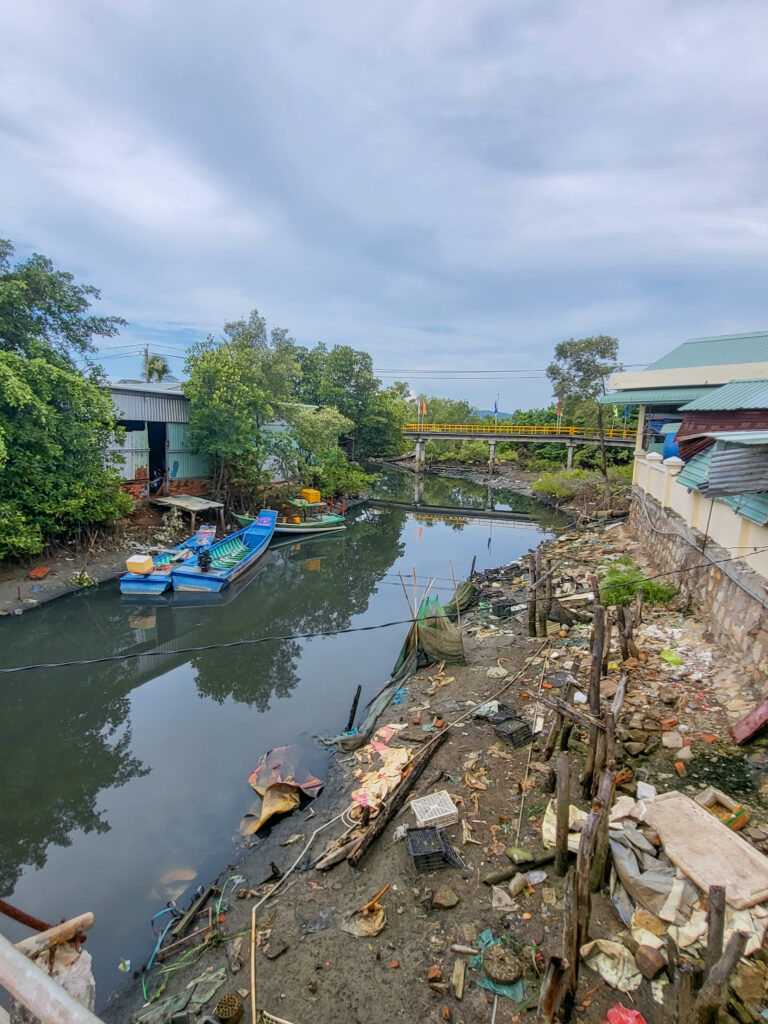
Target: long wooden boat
{"type": "Point", "coordinates": [311, 517]}
{"type": "Point", "coordinates": [227, 559]}
{"type": "Point", "coordinates": [158, 580]}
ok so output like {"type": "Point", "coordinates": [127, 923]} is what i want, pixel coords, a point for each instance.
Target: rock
{"type": "Point", "coordinates": [672, 740]}
{"type": "Point", "coordinates": [759, 835]}
{"type": "Point", "coordinates": [652, 724]}
{"type": "Point", "coordinates": [275, 947]}
{"type": "Point", "coordinates": [519, 855]}
{"type": "Point", "coordinates": [643, 918]}
{"type": "Point", "coordinates": [667, 695]}
{"type": "Point", "coordinates": [633, 749]}
{"type": "Point", "coordinates": [638, 735]}
{"type": "Point", "coordinates": [501, 965]}
{"type": "Point", "coordinates": [434, 973]}
{"type": "Point", "coordinates": [444, 898]}
{"type": "Point", "coordinates": [686, 753]}
{"type": "Point", "coordinates": [649, 961]}
{"type": "Point", "coordinates": [749, 984]}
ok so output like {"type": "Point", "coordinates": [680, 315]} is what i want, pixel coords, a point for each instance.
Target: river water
{"type": "Point", "coordinates": [122, 783]}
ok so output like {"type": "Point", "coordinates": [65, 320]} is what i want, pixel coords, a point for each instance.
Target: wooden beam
{"type": "Point", "coordinates": [64, 932]}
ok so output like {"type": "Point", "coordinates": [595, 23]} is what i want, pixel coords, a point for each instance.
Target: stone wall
{"type": "Point", "coordinates": [735, 614]}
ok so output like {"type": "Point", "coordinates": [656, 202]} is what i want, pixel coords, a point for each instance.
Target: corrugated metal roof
{"type": "Point", "coordinates": [752, 506]}
{"type": "Point", "coordinates": [736, 469]}
{"type": "Point", "coordinates": [739, 394]}
{"type": "Point", "coordinates": [139, 403]}
{"type": "Point", "coordinates": [654, 396]}
{"type": "Point", "coordinates": [719, 350]}
{"type": "Point", "coordinates": [742, 437]}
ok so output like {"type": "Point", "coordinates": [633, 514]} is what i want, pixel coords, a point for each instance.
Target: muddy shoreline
{"type": "Point", "coordinates": [406, 971]}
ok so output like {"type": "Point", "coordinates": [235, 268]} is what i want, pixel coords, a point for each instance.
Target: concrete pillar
{"type": "Point", "coordinates": [421, 451]}
{"type": "Point", "coordinates": [489, 500]}
{"type": "Point", "coordinates": [418, 489]}
{"type": "Point", "coordinates": [569, 454]}
{"type": "Point", "coordinates": [492, 455]}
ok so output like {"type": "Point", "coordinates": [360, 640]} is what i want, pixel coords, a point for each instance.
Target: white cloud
{"type": "Point", "coordinates": [513, 172]}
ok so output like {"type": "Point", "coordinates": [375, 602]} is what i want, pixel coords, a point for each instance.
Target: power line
{"type": "Point", "coordinates": [247, 642]}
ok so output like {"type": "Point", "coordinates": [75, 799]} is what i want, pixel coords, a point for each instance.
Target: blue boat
{"type": "Point", "coordinates": [227, 559]}
{"type": "Point", "coordinates": [159, 579]}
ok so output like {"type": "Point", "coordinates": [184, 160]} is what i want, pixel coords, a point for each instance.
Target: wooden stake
{"type": "Point", "coordinates": [541, 607]}
{"type": "Point", "coordinates": [455, 595]}
{"type": "Point", "coordinates": [712, 992]}
{"type": "Point", "coordinates": [353, 709]}
{"type": "Point", "coordinates": [595, 674]}
{"type": "Point", "coordinates": [532, 600]}
{"type": "Point", "coordinates": [571, 949]}
{"type": "Point", "coordinates": [715, 925]}
{"type": "Point", "coordinates": [600, 856]}
{"type": "Point", "coordinates": [551, 989]}
{"type": "Point", "coordinates": [563, 813]}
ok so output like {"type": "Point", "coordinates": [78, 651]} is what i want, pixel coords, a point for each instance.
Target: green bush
{"type": "Point", "coordinates": [621, 583]}
{"type": "Point", "coordinates": [562, 485]}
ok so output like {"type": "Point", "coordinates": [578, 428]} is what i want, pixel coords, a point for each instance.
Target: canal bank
{"type": "Point", "coordinates": [124, 781]}
{"type": "Point", "coordinates": [416, 962]}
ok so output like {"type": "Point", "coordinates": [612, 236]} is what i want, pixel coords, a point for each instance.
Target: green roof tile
{"type": "Point", "coordinates": [654, 396]}
{"type": "Point", "coordinates": [721, 350]}
{"type": "Point", "coordinates": [739, 394]}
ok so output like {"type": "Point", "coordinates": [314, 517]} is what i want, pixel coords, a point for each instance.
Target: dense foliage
{"type": "Point", "coordinates": [57, 476]}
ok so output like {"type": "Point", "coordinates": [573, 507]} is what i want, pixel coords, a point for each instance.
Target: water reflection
{"type": "Point", "coordinates": [115, 774]}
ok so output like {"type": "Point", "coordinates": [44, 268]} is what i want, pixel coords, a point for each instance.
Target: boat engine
{"type": "Point", "coordinates": [204, 560]}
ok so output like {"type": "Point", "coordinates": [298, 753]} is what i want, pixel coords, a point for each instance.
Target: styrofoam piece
{"type": "Point", "coordinates": [436, 809]}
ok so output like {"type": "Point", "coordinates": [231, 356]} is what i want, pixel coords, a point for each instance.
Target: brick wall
{"type": "Point", "coordinates": [196, 487]}
{"type": "Point", "coordinates": [734, 614]}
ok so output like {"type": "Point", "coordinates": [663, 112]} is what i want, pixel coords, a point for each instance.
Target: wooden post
{"type": "Point", "coordinates": [541, 604]}
{"type": "Point", "coordinates": [595, 673]}
{"type": "Point", "coordinates": [637, 609]}
{"type": "Point", "coordinates": [353, 709]}
{"type": "Point", "coordinates": [600, 857]}
{"type": "Point", "coordinates": [609, 621]}
{"type": "Point", "coordinates": [563, 813]}
{"type": "Point", "coordinates": [715, 925]}
{"type": "Point", "coordinates": [532, 600]}
{"type": "Point", "coordinates": [571, 949]}
{"type": "Point", "coordinates": [712, 992]}
{"type": "Point", "coordinates": [551, 989]}
{"type": "Point", "coordinates": [624, 627]}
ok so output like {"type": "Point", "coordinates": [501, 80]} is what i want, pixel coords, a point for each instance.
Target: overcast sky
{"type": "Point", "coordinates": [449, 184]}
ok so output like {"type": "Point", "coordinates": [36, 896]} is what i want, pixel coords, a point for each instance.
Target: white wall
{"type": "Point", "coordinates": [710, 517]}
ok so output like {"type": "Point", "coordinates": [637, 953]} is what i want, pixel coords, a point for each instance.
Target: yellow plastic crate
{"type": "Point", "coordinates": [311, 495]}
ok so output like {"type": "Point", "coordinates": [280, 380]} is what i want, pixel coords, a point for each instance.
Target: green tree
{"type": "Point", "coordinates": [578, 373]}
{"type": "Point", "coordinates": [57, 425]}
{"type": "Point", "coordinates": [234, 384]}
{"type": "Point", "coordinates": [57, 476]}
{"type": "Point", "coordinates": [381, 430]}
{"type": "Point", "coordinates": [44, 312]}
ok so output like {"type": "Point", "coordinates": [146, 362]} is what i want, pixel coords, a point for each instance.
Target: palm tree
{"type": "Point", "coordinates": [155, 366]}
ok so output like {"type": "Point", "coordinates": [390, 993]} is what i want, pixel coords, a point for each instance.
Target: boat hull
{"type": "Point", "coordinates": [191, 578]}
{"type": "Point", "coordinates": [156, 583]}
{"type": "Point", "coordinates": [309, 527]}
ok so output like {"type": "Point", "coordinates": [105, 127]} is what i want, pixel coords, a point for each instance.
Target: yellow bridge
{"type": "Point", "coordinates": [614, 437]}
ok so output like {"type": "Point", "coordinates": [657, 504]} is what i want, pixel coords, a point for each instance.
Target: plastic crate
{"type": "Point", "coordinates": [514, 731]}
{"type": "Point", "coordinates": [428, 847]}
{"type": "Point", "coordinates": [435, 809]}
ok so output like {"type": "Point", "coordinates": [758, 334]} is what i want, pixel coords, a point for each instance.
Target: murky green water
{"type": "Point", "coordinates": [119, 775]}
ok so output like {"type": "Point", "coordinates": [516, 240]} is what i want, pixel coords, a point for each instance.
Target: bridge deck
{"type": "Point", "coordinates": [615, 436]}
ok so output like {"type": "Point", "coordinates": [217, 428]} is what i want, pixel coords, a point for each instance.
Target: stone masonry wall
{"type": "Point", "coordinates": [737, 619]}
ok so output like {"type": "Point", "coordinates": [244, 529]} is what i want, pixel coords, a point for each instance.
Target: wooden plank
{"type": "Point", "coordinates": [707, 850]}
{"type": "Point", "coordinates": [36, 944]}
{"type": "Point", "coordinates": [747, 726]}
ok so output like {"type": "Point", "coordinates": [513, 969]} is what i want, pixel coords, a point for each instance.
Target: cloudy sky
{"type": "Point", "coordinates": [453, 185]}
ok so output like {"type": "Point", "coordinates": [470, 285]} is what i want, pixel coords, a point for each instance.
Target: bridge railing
{"type": "Point", "coordinates": [547, 430]}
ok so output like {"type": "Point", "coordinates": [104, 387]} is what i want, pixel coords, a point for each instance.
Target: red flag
{"type": "Point", "coordinates": [423, 408]}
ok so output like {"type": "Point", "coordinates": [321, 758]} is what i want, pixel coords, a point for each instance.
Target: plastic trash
{"type": "Point", "coordinates": [671, 656]}
{"type": "Point", "coordinates": [619, 1014]}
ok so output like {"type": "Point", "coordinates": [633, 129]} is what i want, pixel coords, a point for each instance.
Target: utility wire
{"type": "Point", "coordinates": [246, 642]}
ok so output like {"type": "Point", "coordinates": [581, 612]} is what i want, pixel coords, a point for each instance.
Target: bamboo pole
{"type": "Point", "coordinates": [455, 595]}
{"type": "Point", "coordinates": [715, 925]}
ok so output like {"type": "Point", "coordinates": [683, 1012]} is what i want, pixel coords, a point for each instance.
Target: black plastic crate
{"type": "Point", "coordinates": [514, 731]}
{"type": "Point", "coordinates": [428, 847]}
